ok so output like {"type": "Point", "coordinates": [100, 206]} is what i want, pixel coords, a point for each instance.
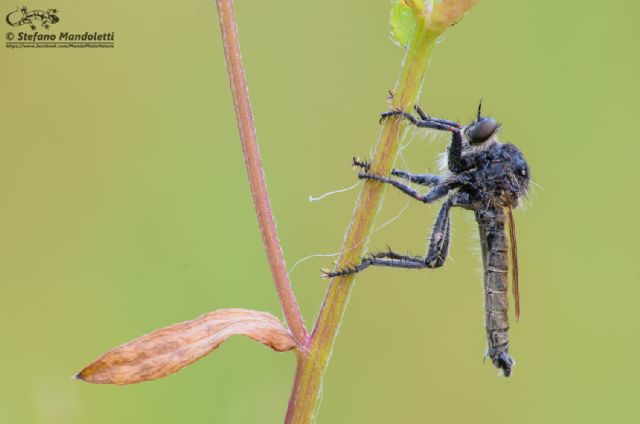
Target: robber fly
{"type": "Point", "coordinates": [486, 177]}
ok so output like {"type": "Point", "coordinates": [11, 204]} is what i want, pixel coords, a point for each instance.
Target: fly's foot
{"type": "Point", "coordinates": [503, 361]}
{"type": "Point", "coordinates": [359, 163]}
{"type": "Point", "coordinates": [339, 273]}
{"type": "Point", "coordinates": [392, 112]}
{"type": "Point", "coordinates": [325, 273]}
{"type": "Point", "coordinates": [368, 176]}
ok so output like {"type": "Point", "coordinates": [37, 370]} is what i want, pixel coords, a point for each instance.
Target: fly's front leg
{"type": "Point", "coordinates": [425, 120]}
{"type": "Point", "coordinates": [426, 117]}
{"type": "Point", "coordinates": [360, 163]}
{"type": "Point", "coordinates": [422, 123]}
{"type": "Point", "coordinates": [456, 162]}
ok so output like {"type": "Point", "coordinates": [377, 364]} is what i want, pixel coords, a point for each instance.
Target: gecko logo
{"type": "Point", "coordinates": [22, 16]}
{"type": "Point", "coordinates": [43, 36]}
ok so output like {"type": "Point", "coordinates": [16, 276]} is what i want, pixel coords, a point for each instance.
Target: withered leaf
{"type": "Point", "coordinates": [172, 348]}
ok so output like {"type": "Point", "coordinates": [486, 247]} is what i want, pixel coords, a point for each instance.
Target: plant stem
{"type": "Point", "coordinates": [311, 368]}
{"type": "Point", "coordinates": [251, 152]}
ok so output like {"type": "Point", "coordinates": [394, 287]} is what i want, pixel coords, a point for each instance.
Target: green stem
{"type": "Point", "coordinates": [312, 366]}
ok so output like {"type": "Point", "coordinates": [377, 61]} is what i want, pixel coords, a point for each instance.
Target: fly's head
{"type": "Point", "coordinates": [482, 129]}
{"type": "Point", "coordinates": [502, 174]}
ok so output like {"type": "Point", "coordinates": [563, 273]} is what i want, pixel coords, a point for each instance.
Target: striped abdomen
{"type": "Point", "coordinates": [495, 258]}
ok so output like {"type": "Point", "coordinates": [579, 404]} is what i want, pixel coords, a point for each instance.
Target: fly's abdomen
{"type": "Point", "coordinates": [495, 257]}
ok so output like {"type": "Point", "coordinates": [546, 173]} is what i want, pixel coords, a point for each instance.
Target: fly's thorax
{"type": "Point", "coordinates": [517, 170]}
{"type": "Point", "coordinates": [501, 174]}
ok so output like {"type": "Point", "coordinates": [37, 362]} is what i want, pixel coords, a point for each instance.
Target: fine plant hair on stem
{"type": "Point", "coordinates": [332, 255]}
{"type": "Point", "coordinates": [313, 255]}
{"type": "Point", "coordinates": [331, 193]}
{"type": "Point", "coordinates": [376, 229]}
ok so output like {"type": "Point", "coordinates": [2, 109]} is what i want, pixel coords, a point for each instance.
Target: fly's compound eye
{"type": "Point", "coordinates": [482, 130]}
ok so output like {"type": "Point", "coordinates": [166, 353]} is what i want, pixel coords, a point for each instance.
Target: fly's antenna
{"type": "Point", "coordinates": [479, 108]}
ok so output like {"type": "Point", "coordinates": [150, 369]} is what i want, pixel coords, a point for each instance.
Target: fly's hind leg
{"type": "Point", "coordinates": [441, 233]}
{"type": "Point", "coordinates": [438, 247]}
{"type": "Point", "coordinates": [388, 259]}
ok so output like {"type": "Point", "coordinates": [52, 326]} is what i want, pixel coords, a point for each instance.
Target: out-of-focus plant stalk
{"type": "Point", "coordinates": [257, 183]}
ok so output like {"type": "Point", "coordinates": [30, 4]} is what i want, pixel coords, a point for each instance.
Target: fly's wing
{"type": "Point", "coordinates": [514, 261]}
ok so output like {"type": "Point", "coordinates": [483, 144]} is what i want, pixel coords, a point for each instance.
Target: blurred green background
{"type": "Point", "coordinates": [125, 208]}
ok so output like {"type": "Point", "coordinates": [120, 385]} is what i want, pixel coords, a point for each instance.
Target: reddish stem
{"type": "Point", "coordinates": [251, 152]}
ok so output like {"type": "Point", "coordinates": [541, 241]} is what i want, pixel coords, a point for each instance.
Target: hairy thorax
{"type": "Point", "coordinates": [498, 175]}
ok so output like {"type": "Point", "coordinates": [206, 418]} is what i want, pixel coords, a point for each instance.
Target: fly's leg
{"type": "Point", "coordinates": [428, 123]}
{"type": "Point", "coordinates": [426, 117]}
{"type": "Point", "coordinates": [422, 179]}
{"type": "Point", "coordinates": [388, 259]}
{"type": "Point", "coordinates": [425, 120]}
{"type": "Point", "coordinates": [441, 233]}
{"type": "Point", "coordinates": [438, 247]}
{"type": "Point", "coordinates": [439, 243]}
{"type": "Point", "coordinates": [456, 163]}
{"type": "Point", "coordinates": [438, 191]}
{"type": "Point", "coordinates": [362, 164]}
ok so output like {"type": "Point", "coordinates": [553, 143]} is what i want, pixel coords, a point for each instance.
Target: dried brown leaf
{"type": "Point", "coordinates": [170, 349]}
